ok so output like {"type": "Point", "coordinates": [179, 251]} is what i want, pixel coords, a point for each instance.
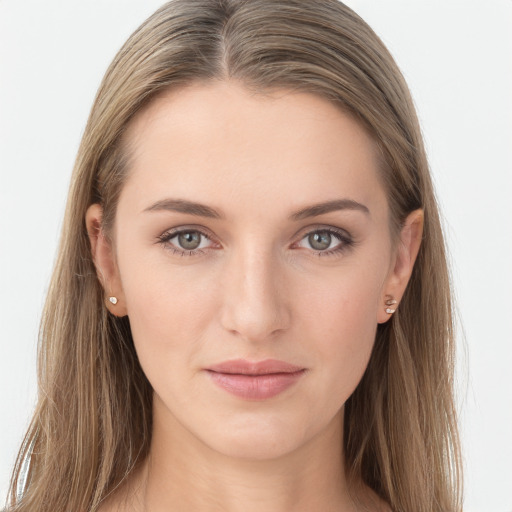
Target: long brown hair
{"type": "Point", "coordinates": [92, 424]}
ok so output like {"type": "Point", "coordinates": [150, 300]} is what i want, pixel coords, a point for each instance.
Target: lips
{"type": "Point", "coordinates": [259, 380]}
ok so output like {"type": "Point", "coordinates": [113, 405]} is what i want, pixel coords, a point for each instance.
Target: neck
{"type": "Point", "coordinates": [182, 473]}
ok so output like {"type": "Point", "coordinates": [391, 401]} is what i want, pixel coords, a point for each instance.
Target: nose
{"type": "Point", "coordinates": [255, 301]}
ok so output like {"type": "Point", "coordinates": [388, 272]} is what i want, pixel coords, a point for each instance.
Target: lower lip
{"type": "Point", "coordinates": [255, 387]}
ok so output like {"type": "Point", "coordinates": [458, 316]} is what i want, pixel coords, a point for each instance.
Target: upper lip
{"type": "Point", "coordinates": [244, 367]}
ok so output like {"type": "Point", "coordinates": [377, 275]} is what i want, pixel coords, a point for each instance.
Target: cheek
{"type": "Point", "coordinates": [168, 311]}
{"type": "Point", "coordinates": [340, 320]}
{"type": "Point", "coordinates": [169, 314]}
{"type": "Point", "coordinates": [348, 343]}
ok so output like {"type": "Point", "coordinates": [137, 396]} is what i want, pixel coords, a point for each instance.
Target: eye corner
{"type": "Point", "coordinates": [345, 241]}
{"type": "Point", "coordinates": [165, 240]}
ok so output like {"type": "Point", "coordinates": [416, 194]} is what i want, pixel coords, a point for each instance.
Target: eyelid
{"type": "Point", "coordinates": [346, 240]}
{"type": "Point", "coordinates": [171, 233]}
{"type": "Point", "coordinates": [323, 227]}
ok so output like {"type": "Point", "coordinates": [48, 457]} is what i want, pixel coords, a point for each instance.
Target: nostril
{"type": "Point", "coordinates": [254, 306]}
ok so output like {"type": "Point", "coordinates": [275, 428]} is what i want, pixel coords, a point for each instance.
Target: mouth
{"type": "Point", "coordinates": [259, 380]}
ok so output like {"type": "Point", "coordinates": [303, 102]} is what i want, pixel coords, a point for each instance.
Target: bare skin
{"type": "Point", "coordinates": [255, 280]}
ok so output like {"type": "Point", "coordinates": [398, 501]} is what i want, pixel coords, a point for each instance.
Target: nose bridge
{"type": "Point", "coordinates": [254, 301]}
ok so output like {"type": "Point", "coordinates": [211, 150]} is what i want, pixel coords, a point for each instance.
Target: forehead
{"type": "Point", "coordinates": [219, 142]}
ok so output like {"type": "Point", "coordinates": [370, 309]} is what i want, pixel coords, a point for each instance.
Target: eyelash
{"type": "Point", "coordinates": [166, 237]}
{"type": "Point", "coordinates": [346, 242]}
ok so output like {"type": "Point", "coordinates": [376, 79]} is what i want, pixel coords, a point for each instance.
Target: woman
{"type": "Point", "coordinates": [251, 306]}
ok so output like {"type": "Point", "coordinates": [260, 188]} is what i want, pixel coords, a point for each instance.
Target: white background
{"type": "Point", "coordinates": [457, 58]}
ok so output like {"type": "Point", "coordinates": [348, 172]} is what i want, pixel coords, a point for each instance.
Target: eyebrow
{"type": "Point", "coordinates": [327, 207]}
{"type": "Point", "coordinates": [184, 206]}
{"type": "Point", "coordinates": [202, 210]}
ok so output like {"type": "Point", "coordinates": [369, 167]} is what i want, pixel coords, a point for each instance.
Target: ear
{"type": "Point", "coordinates": [104, 260]}
{"type": "Point", "coordinates": [402, 264]}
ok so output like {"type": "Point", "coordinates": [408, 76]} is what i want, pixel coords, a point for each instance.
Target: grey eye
{"type": "Point", "coordinates": [189, 240]}
{"type": "Point", "coordinates": [320, 240]}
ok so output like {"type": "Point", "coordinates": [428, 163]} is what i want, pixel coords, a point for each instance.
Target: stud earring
{"type": "Point", "coordinates": [113, 300]}
{"type": "Point", "coordinates": [390, 302]}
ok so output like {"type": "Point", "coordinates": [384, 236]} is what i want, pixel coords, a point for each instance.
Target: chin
{"type": "Point", "coordinates": [257, 437]}
{"type": "Point", "coordinates": [261, 447]}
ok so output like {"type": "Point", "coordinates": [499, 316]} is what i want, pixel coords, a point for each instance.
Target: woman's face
{"type": "Point", "coordinates": [253, 256]}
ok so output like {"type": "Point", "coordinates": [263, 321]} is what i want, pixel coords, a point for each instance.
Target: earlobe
{"type": "Point", "coordinates": [104, 261]}
{"type": "Point", "coordinates": [407, 250]}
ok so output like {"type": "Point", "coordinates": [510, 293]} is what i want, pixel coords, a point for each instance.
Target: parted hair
{"type": "Point", "coordinates": [93, 420]}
